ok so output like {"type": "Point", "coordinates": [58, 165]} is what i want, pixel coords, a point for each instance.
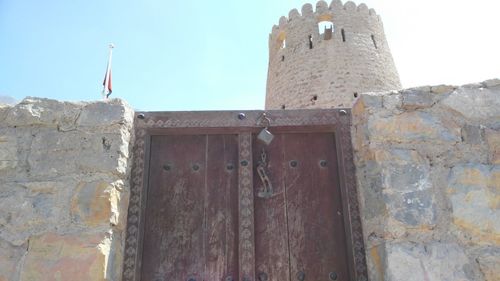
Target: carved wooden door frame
{"type": "Point", "coordinates": [243, 123]}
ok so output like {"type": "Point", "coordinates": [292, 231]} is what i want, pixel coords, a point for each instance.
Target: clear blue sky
{"type": "Point", "coordinates": [196, 55]}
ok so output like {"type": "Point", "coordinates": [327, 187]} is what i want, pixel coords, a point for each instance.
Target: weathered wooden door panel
{"type": "Point", "coordinates": [299, 229]}
{"type": "Point", "coordinates": [200, 209]}
{"type": "Point", "coordinates": [271, 236]}
{"type": "Point", "coordinates": [315, 222]}
{"type": "Point", "coordinates": [221, 207]}
{"type": "Point", "coordinates": [191, 215]}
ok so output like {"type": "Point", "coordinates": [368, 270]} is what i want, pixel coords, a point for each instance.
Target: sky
{"type": "Point", "coordinates": [212, 55]}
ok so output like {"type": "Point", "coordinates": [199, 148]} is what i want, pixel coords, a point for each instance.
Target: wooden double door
{"type": "Point", "coordinates": [228, 206]}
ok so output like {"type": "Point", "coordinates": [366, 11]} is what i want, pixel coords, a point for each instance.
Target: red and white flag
{"type": "Point", "coordinates": [108, 89]}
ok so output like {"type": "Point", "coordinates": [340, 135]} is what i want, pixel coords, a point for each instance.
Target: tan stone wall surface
{"type": "Point", "coordinates": [329, 74]}
{"type": "Point", "coordinates": [63, 189]}
{"type": "Point", "coordinates": [428, 171]}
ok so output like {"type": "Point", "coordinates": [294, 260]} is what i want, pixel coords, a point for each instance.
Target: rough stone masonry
{"type": "Point", "coordinates": [428, 170]}
{"type": "Point", "coordinates": [63, 189]}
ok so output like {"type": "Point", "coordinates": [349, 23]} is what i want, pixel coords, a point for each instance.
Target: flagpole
{"type": "Point", "coordinates": [108, 72]}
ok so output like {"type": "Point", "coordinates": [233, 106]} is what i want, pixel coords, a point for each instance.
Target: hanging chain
{"type": "Point", "coordinates": [267, 188]}
{"type": "Point", "coordinates": [263, 158]}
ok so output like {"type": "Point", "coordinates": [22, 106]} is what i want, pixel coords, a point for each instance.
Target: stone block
{"type": "Point", "coordinates": [442, 89]}
{"type": "Point", "coordinates": [415, 126]}
{"type": "Point", "coordinates": [422, 89]}
{"type": "Point", "coordinates": [493, 141]}
{"type": "Point", "coordinates": [433, 262]}
{"type": "Point", "coordinates": [414, 209]}
{"type": "Point", "coordinates": [476, 104]}
{"type": "Point", "coordinates": [105, 113]}
{"type": "Point", "coordinates": [375, 259]}
{"type": "Point", "coordinates": [472, 86]}
{"type": "Point", "coordinates": [474, 192]}
{"type": "Point", "coordinates": [472, 134]}
{"type": "Point", "coordinates": [15, 150]}
{"type": "Point", "coordinates": [397, 192]}
{"type": "Point", "coordinates": [403, 170]}
{"type": "Point", "coordinates": [371, 100]}
{"type": "Point", "coordinates": [75, 257]}
{"type": "Point", "coordinates": [8, 151]}
{"type": "Point", "coordinates": [62, 153]}
{"type": "Point", "coordinates": [491, 83]}
{"type": "Point", "coordinates": [44, 112]}
{"type": "Point", "coordinates": [489, 261]}
{"type": "Point", "coordinates": [415, 99]}
{"type": "Point", "coordinates": [97, 204]}
{"type": "Point", "coordinates": [29, 209]}
{"type": "Point", "coordinates": [10, 259]}
{"type": "Point", "coordinates": [371, 182]}
{"type": "Point", "coordinates": [4, 111]}
{"type": "Point", "coordinates": [393, 101]}
{"type": "Point", "coordinates": [407, 187]}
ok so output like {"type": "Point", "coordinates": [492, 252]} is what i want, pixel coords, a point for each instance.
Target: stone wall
{"type": "Point", "coordinates": [428, 169]}
{"type": "Point", "coordinates": [63, 189]}
{"type": "Point", "coordinates": [328, 73]}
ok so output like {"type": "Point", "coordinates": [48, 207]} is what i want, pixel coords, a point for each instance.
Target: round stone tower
{"type": "Point", "coordinates": [324, 58]}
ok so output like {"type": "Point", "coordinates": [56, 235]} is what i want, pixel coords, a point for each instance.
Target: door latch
{"type": "Point", "coordinates": [265, 135]}
{"type": "Point", "coordinates": [267, 187]}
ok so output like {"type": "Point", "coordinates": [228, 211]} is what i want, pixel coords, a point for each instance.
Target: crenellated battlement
{"type": "Point", "coordinates": [323, 56]}
{"type": "Point", "coordinates": [348, 16]}
{"type": "Point", "coordinates": [322, 9]}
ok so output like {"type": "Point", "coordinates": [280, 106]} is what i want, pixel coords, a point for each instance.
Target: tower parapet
{"type": "Point", "coordinates": [324, 57]}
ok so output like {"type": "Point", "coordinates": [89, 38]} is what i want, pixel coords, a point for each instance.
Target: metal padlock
{"type": "Point", "coordinates": [265, 136]}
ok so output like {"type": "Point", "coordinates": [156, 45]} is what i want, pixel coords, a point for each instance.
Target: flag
{"type": "Point", "coordinates": [108, 89]}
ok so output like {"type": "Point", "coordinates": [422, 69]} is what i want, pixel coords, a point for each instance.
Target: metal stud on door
{"type": "Point", "coordinates": [262, 276]}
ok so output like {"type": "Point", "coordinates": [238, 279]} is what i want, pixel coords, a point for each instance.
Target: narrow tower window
{"type": "Point", "coordinates": [374, 42]}
{"type": "Point", "coordinates": [326, 29]}
{"type": "Point", "coordinates": [310, 42]}
{"type": "Point", "coordinates": [283, 106]}
{"type": "Point", "coordinates": [282, 40]}
{"type": "Point", "coordinates": [343, 34]}
{"type": "Point", "coordinates": [282, 58]}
